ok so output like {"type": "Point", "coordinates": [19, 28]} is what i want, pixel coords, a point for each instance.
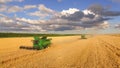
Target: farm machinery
{"type": "Point", "coordinates": [39, 43]}
{"type": "Point", "coordinates": [83, 36]}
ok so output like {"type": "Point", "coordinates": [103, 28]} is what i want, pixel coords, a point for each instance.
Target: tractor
{"type": "Point", "coordinates": [39, 43]}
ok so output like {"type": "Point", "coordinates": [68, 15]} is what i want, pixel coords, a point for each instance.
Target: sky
{"type": "Point", "coordinates": [60, 16]}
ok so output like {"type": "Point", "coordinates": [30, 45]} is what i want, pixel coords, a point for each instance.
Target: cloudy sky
{"type": "Point", "coordinates": [60, 16]}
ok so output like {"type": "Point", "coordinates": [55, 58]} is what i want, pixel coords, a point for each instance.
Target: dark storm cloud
{"type": "Point", "coordinates": [64, 28]}
{"type": "Point", "coordinates": [74, 17]}
{"type": "Point", "coordinates": [103, 15]}
{"type": "Point", "coordinates": [111, 13]}
{"type": "Point", "coordinates": [98, 9]}
{"type": "Point", "coordinates": [97, 20]}
{"type": "Point", "coordinates": [91, 16]}
{"type": "Point", "coordinates": [88, 24]}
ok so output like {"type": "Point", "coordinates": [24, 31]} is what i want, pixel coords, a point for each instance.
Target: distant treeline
{"type": "Point", "coordinates": [5, 35]}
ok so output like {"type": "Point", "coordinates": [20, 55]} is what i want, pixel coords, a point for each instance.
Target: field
{"type": "Point", "coordinates": [97, 51]}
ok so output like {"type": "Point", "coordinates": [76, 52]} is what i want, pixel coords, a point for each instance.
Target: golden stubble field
{"type": "Point", "coordinates": [100, 51]}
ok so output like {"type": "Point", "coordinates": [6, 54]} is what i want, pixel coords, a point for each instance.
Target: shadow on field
{"type": "Point", "coordinates": [27, 48]}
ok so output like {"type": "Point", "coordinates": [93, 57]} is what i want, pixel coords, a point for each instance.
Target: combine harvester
{"type": "Point", "coordinates": [83, 36]}
{"type": "Point", "coordinates": [38, 43]}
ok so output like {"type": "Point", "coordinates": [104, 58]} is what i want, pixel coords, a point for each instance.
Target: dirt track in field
{"type": "Point", "coordinates": [101, 51]}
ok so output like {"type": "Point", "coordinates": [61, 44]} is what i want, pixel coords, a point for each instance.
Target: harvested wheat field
{"type": "Point", "coordinates": [102, 51]}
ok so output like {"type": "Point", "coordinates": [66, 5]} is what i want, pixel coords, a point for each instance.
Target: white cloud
{"type": "Point", "coordinates": [86, 12]}
{"type": "Point", "coordinates": [2, 15]}
{"type": "Point", "coordinates": [6, 20]}
{"type": "Point", "coordinates": [19, 0]}
{"type": "Point", "coordinates": [69, 11]}
{"type": "Point", "coordinates": [26, 7]}
{"type": "Point", "coordinates": [6, 8]}
{"type": "Point", "coordinates": [19, 24]}
{"type": "Point", "coordinates": [38, 14]}
{"type": "Point", "coordinates": [13, 9]}
{"type": "Point", "coordinates": [59, 0]}
{"type": "Point", "coordinates": [117, 26]}
{"type": "Point", "coordinates": [29, 21]}
{"type": "Point", "coordinates": [43, 12]}
{"type": "Point", "coordinates": [84, 19]}
{"type": "Point", "coordinates": [7, 1]}
{"type": "Point", "coordinates": [44, 9]}
{"type": "Point", "coordinates": [33, 27]}
{"type": "Point", "coordinates": [3, 8]}
{"type": "Point", "coordinates": [104, 25]}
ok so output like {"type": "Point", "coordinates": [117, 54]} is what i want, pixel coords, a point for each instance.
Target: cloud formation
{"type": "Point", "coordinates": [117, 26]}
{"type": "Point", "coordinates": [44, 9]}
{"type": "Point", "coordinates": [26, 7]}
{"type": "Point", "coordinates": [116, 1]}
{"type": "Point", "coordinates": [103, 11]}
{"type": "Point", "coordinates": [59, 0]}
{"type": "Point", "coordinates": [7, 1]}
{"type": "Point", "coordinates": [3, 8]}
{"type": "Point", "coordinates": [95, 16]}
{"type": "Point", "coordinates": [42, 12]}
{"type": "Point", "coordinates": [14, 9]}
